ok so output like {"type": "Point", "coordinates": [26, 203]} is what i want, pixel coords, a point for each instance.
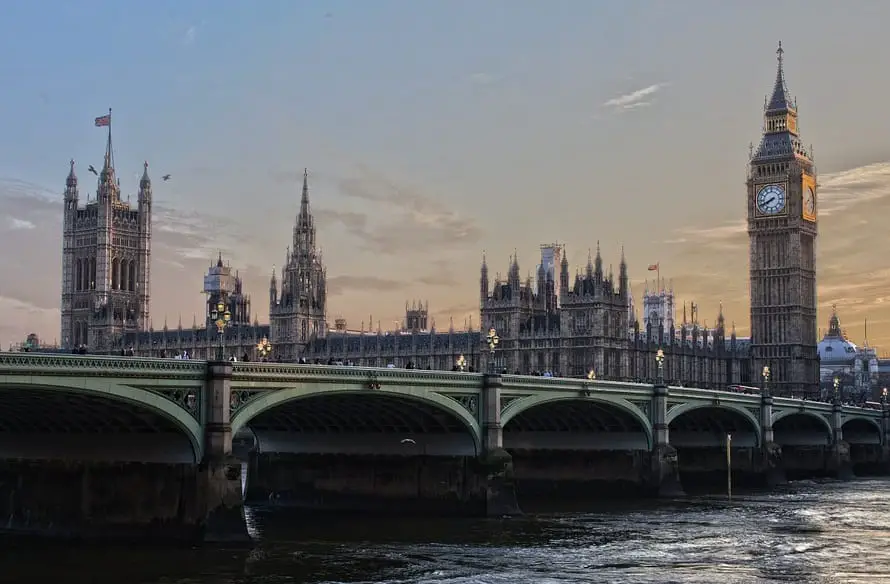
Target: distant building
{"type": "Point", "coordinates": [857, 369]}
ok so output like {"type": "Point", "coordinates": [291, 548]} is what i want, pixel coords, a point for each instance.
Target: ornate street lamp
{"type": "Point", "coordinates": [659, 359]}
{"type": "Point", "coordinates": [222, 318]}
{"type": "Point", "coordinates": [837, 387]}
{"type": "Point", "coordinates": [263, 348]}
{"type": "Point", "coordinates": [492, 339]}
{"type": "Point", "coordinates": [884, 398]}
{"type": "Point", "coordinates": [591, 375]}
{"type": "Point", "coordinates": [461, 363]}
{"type": "Point", "coordinates": [765, 374]}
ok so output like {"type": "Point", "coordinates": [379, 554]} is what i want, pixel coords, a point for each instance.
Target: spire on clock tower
{"type": "Point", "coordinates": [781, 99]}
{"type": "Point", "coordinates": [781, 136]}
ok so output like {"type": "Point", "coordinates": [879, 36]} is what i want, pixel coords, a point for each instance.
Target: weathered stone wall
{"type": "Point", "coordinates": [544, 477]}
{"type": "Point", "coordinates": [704, 469]}
{"type": "Point", "coordinates": [868, 459]}
{"type": "Point", "coordinates": [373, 484]}
{"type": "Point", "coordinates": [122, 500]}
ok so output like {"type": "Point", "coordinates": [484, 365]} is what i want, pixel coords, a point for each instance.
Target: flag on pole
{"type": "Point", "coordinates": [103, 121]}
{"type": "Point", "coordinates": [653, 267]}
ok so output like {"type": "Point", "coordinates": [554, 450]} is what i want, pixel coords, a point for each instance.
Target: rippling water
{"type": "Point", "coordinates": [809, 533]}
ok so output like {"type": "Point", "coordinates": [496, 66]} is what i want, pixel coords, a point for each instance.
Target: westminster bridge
{"type": "Point", "coordinates": [100, 446]}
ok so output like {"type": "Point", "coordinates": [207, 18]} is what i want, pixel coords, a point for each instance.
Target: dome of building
{"type": "Point", "coordinates": [834, 347]}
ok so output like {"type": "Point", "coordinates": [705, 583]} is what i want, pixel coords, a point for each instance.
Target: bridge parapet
{"type": "Point", "coordinates": [83, 365]}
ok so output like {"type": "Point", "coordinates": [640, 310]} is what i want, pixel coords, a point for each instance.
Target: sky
{"type": "Point", "coordinates": [434, 132]}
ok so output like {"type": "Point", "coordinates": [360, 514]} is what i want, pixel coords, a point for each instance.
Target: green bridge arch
{"type": "Point", "coordinates": [678, 410]}
{"type": "Point", "coordinates": [121, 393]}
{"type": "Point", "coordinates": [272, 399]}
{"type": "Point", "coordinates": [871, 421]}
{"type": "Point", "coordinates": [823, 421]}
{"type": "Point", "coordinates": [527, 403]}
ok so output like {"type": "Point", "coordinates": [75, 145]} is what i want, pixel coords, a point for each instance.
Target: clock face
{"type": "Point", "coordinates": [809, 202]}
{"type": "Point", "coordinates": [771, 200]}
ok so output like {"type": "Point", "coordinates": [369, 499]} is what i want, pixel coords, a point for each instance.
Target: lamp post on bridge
{"type": "Point", "coordinates": [764, 388]}
{"type": "Point", "coordinates": [836, 398]}
{"type": "Point", "coordinates": [461, 363]}
{"type": "Point", "coordinates": [263, 349]}
{"type": "Point", "coordinates": [492, 339]}
{"type": "Point", "coordinates": [222, 318]}
{"type": "Point", "coordinates": [659, 360]}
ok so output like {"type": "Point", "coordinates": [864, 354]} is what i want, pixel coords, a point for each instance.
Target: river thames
{"type": "Point", "coordinates": [809, 532]}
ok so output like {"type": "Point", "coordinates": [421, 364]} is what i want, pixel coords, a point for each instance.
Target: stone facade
{"type": "Point", "coordinates": [549, 328]}
{"type": "Point", "coordinates": [106, 254]}
{"type": "Point", "coordinates": [782, 228]}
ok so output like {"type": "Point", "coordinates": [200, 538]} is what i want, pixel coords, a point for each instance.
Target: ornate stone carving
{"type": "Point", "coordinates": [187, 399]}
{"type": "Point", "coordinates": [469, 402]}
{"type": "Point", "coordinates": [644, 406]}
{"type": "Point", "coordinates": [240, 397]}
{"type": "Point", "coordinates": [506, 400]}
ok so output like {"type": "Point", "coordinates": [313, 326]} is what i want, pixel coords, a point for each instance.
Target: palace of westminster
{"type": "Point", "coordinates": [558, 324]}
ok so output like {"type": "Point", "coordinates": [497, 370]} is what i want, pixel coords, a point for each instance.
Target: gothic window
{"type": "Point", "coordinates": [125, 275]}
{"type": "Point", "coordinates": [115, 273]}
{"type": "Point", "coordinates": [131, 277]}
{"type": "Point", "coordinates": [92, 273]}
{"type": "Point", "coordinates": [78, 275]}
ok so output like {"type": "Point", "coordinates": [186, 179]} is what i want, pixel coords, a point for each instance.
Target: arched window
{"type": "Point", "coordinates": [131, 277]}
{"type": "Point", "coordinates": [115, 274]}
{"type": "Point", "coordinates": [78, 275]}
{"type": "Point", "coordinates": [92, 273]}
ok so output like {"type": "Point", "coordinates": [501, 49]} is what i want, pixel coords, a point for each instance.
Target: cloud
{"type": "Point", "coordinates": [484, 78]}
{"type": "Point", "coordinates": [635, 99]}
{"type": "Point", "coordinates": [190, 34]}
{"type": "Point", "coordinates": [16, 223]}
{"type": "Point", "coordinates": [348, 284]}
{"type": "Point", "coordinates": [400, 219]}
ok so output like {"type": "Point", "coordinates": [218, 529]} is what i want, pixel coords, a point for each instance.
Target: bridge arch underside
{"type": "Point", "coordinates": [361, 424]}
{"type": "Point", "coordinates": [575, 425]}
{"type": "Point", "coordinates": [859, 431]}
{"type": "Point", "coordinates": [707, 427]}
{"type": "Point", "coordinates": [801, 429]}
{"type": "Point", "coordinates": [54, 424]}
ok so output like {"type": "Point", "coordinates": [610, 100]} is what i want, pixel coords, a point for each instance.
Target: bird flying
{"type": "Point", "coordinates": [93, 170]}
{"type": "Point", "coordinates": [166, 177]}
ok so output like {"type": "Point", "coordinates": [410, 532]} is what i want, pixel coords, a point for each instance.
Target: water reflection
{"type": "Point", "coordinates": [809, 533]}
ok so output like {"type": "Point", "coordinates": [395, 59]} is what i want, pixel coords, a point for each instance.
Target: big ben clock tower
{"type": "Point", "coordinates": [782, 228]}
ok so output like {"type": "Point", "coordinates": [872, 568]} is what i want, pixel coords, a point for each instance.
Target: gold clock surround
{"type": "Point", "coordinates": [808, 182]}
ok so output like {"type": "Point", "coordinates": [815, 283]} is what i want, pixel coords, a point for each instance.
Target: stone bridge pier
{"type": "Point", "coordinates": [100, 459]}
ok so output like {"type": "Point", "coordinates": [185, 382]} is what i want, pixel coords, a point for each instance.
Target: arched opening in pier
{"type": "Point", "coordinates": [571, 449]}
{"type": "Point", "coordinates": [368, 451]}
{"type": "Point", "coordinates": [51, 423]}
{"type": "Point", "coordinates": [699, 433]}
{"type": "Point", "coordinates": [805, 438]}
{"type": "Point", "coordinates": [864, 437]}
